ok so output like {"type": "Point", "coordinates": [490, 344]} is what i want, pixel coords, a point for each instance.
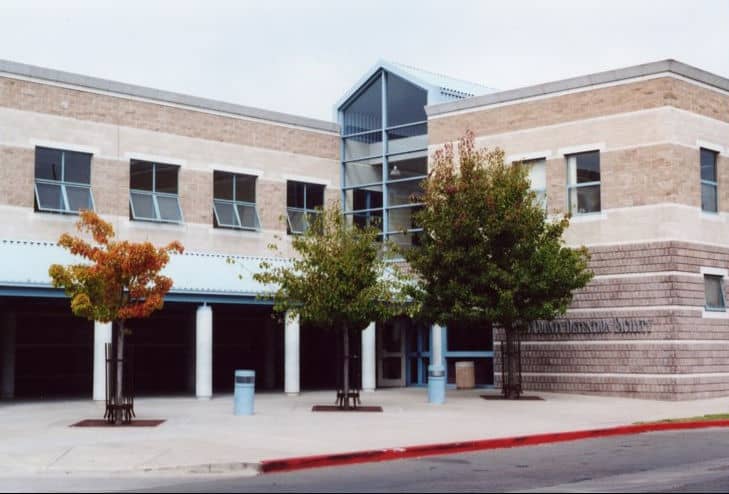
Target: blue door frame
{"type": "Point", "coordinates": [421, 353]}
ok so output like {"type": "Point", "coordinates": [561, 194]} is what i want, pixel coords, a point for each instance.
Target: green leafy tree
{"type": "Point", "coordinates": [489, 254]}
{"type": "Point", "coordinates": [338, 280]}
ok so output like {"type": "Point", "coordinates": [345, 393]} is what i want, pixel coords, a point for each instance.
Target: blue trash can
{"type": "Point", "coordinates": [245, 387]}
{"type": "Point", "coordinates": [436, 384]}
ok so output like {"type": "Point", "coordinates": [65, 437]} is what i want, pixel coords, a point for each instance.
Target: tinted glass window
{"type": "Point", "coordinates": [141, 174]}
{"type": "Point", "coordinates": [708, 165]}
{"type": "Point", "coordinates": [78, 198]}
{"type": "Point", "coordinates": [714, 292]}
{"type": "Point", "coordinates": [48, 164]}
{"type": "Point", "coordinates": [223, 185]}
{"type": "Point", "coordinates": [143, 206]}
{"type": "Point", "coordinates": [295, 194]}
{"type": "Point", "coordinates": [169, 208]}
{"type": "Point", "coordinates": [588, 167]}
{"type": "Point", "coordinates": [314, 196]}
{"type": "Point", "coordinates": [367, 199]}
{"type": "Point", "coordinates": [405, 102]}
{"type": "Point", "coordinates": [708, 198]}
{"type": "Point", "coordinates": [166, 179]}
{"type": "Point", "coordinates": [365, 112]}
{"type": "Point", "coordinates": [50, 196]}
{"type": "Point", "coordinates": [245, 188]}
{"type": "Point", "coordinates": [77, 167]}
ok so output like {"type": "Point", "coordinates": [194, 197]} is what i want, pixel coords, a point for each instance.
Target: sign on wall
{"type": "Point", "coordinates": [591, 326]}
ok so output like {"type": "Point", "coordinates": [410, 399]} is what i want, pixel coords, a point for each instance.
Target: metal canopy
{"type": "Point", "coordinates": [198, 277]}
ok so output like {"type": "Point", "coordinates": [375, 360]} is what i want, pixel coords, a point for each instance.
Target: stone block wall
{"type": "Point", "coordinates": [639, 329]}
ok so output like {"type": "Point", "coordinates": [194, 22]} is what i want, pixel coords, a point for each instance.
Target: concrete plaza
{"type": "Point", "coordinates": [204, 436]}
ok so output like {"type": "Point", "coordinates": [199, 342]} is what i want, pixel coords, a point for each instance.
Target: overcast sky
{"type": "Point", "coordinates": [300, 56]}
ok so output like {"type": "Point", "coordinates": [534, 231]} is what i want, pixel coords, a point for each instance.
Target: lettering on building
{"type": "Point", "coordinates": [591, 326]}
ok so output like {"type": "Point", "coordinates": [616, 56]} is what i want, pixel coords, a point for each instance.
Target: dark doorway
{"type": "Point", "coordinates": [53, 349]}
{"type": "Point", "coordinates": [321, 358]}
{"type": "Point", "coordinates": [163, 351]}
{"type": "Point", "coordinates": [247, 337]}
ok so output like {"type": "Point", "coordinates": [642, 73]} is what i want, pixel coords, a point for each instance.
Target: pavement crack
{"type": "Point", "coordinates": [59, 457]}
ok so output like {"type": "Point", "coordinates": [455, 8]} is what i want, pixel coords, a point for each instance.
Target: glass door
{"type": "Point", "coordinates": [391, 353]}
{"type": "Point", "coordinates": [418, 355]}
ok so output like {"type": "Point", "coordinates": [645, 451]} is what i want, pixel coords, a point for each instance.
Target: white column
{"type": "Point", "coordinates": [368, 358]}
{"type": "Point", "coordinates": [7, 347]}
{"type": "Point", "coordinates": [204, 353]}
{"type": "Point", "coordinates": [436, 356]}
{"type": "Point", "coordinates": [102, 336]}
{"type": "Point", "coordinates": [291, 359]}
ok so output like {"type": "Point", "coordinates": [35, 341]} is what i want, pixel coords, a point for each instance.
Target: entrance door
{"type": "Point", "coordinates": [391, 353]}
{"type": "Point", "coordinates": [418, 352]}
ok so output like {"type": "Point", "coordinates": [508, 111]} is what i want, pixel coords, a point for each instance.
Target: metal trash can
{"type": "Point", "coordinates": [436, 384]}
{"type": "Point", "coordinates": [245, 387]}
{"type": "Point", "coordinates": [465, 375]}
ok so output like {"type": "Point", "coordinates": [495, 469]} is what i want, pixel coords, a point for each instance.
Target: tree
{"type": "Point", "coordinates": [338, 280]}
{"type": "Point", "coordinates": [121, 281]}
{"type": "Point", "coordinates": [489, 253]}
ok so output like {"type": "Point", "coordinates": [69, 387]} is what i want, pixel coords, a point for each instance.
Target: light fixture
{"type": "Point", "coordinates": [395, 172]}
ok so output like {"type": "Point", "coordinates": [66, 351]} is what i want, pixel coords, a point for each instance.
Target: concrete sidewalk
{"type": "Point", "coordinates": [204, 436]}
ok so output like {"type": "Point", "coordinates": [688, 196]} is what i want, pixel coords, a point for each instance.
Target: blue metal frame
{"type": "Point", "coordinates": [461, 354]}
{"type": "Point", "coordinates": [179, 296]}
{"type": "Point", "coordinates": [420, 379]}
{"type": "Point", "coordinates": [383, 156]}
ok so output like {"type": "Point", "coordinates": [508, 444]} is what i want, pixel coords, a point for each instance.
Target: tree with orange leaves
{"type": "Point", "coordinates": [120, 282]}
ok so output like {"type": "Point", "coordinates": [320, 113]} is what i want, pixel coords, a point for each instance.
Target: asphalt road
{"type": "Point", "coordinates": [692, 461]}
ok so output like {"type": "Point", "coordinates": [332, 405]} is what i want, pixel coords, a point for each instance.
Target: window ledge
{"type": "Point", "coordinates": [67, 217]}
{"type": "Point", "coordinates": [235, 232]}
{"type": "Point", "coordinates": [715, 314]}
{"type": "Point", "coordinates": [588, 217]}
{"type": "Point", "coordinates": [154, 225]}
{"type": "Point", "coordinates": [711, 216]}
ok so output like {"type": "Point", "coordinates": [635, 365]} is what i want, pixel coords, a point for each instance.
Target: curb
{"type": "Point", "coordinates": [378, 455]}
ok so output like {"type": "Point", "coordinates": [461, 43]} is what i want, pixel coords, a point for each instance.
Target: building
{"type": "Point", "coordinates": [640, 156]}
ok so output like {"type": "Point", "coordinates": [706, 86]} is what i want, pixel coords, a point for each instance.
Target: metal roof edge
{"type": "Point", "coordinates": [122, 88]}
{"type": "Point", "coordinates": [585, 81]}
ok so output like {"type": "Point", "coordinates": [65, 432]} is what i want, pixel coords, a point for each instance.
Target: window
{"type": "Point", "coordinates": [583, 183]}
{"type": "Point", "coordinates": [537, 170]}
{"type": "Point", "coordinates": [153, 192]}
{"type": "Point", "coordinates": [303, 201]}
{"type": "Point", "coordinates": [709, 181]}
{"type": "Point", "coordinates": [714, 291]}
{"type": "Point", "coordinates": [62, 181]}
{"type": "Point", "coordinates": [234, 201]}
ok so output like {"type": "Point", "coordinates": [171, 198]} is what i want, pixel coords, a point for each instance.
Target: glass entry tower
{"type": "Point", "coordinates": [384, 159]}
{"type": "Point", "coordinates": [384, 146]}
{"type": "Point", "coordinates": [384, 154]}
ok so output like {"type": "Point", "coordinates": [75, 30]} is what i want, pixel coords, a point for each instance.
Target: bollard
{"type": "Point", "coordinates": [245, 387]}
{"type": "Point", "coordinates": [436, 384]}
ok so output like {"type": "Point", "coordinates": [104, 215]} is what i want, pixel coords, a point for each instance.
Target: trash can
{"type": "Point", "coordinates": [245, 387]}
{"type": "Point", "coordinates": [465, 375]}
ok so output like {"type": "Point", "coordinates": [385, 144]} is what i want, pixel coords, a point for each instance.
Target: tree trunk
{"type": "Point", "coordinates": [345, 382]}
{"type": "Point", "coordinates": [119, 372]}
{"type": "Point", "coordinates": [511, 364]}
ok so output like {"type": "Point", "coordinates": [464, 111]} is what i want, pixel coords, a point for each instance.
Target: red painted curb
{"type": "Point", "coordinates": [376, 455]}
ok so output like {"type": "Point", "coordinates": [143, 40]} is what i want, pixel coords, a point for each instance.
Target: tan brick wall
{"type": "Point", "coordinates": [271, 200]}
{"type": "Point", "coordinates": [640, 95]}
{"type": "Point", "coordinates": [723, 176]}
{"type": "Point", "coordinates": [110, 186]}
{"type": "Point", "coordinates": [84, 105]}
{"type": "Point", "coordinates": [17, 176]}
{"type": "Point", "coordinates": [649, 175]}
{"type": "Point", "coordinates": [196, 195]}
